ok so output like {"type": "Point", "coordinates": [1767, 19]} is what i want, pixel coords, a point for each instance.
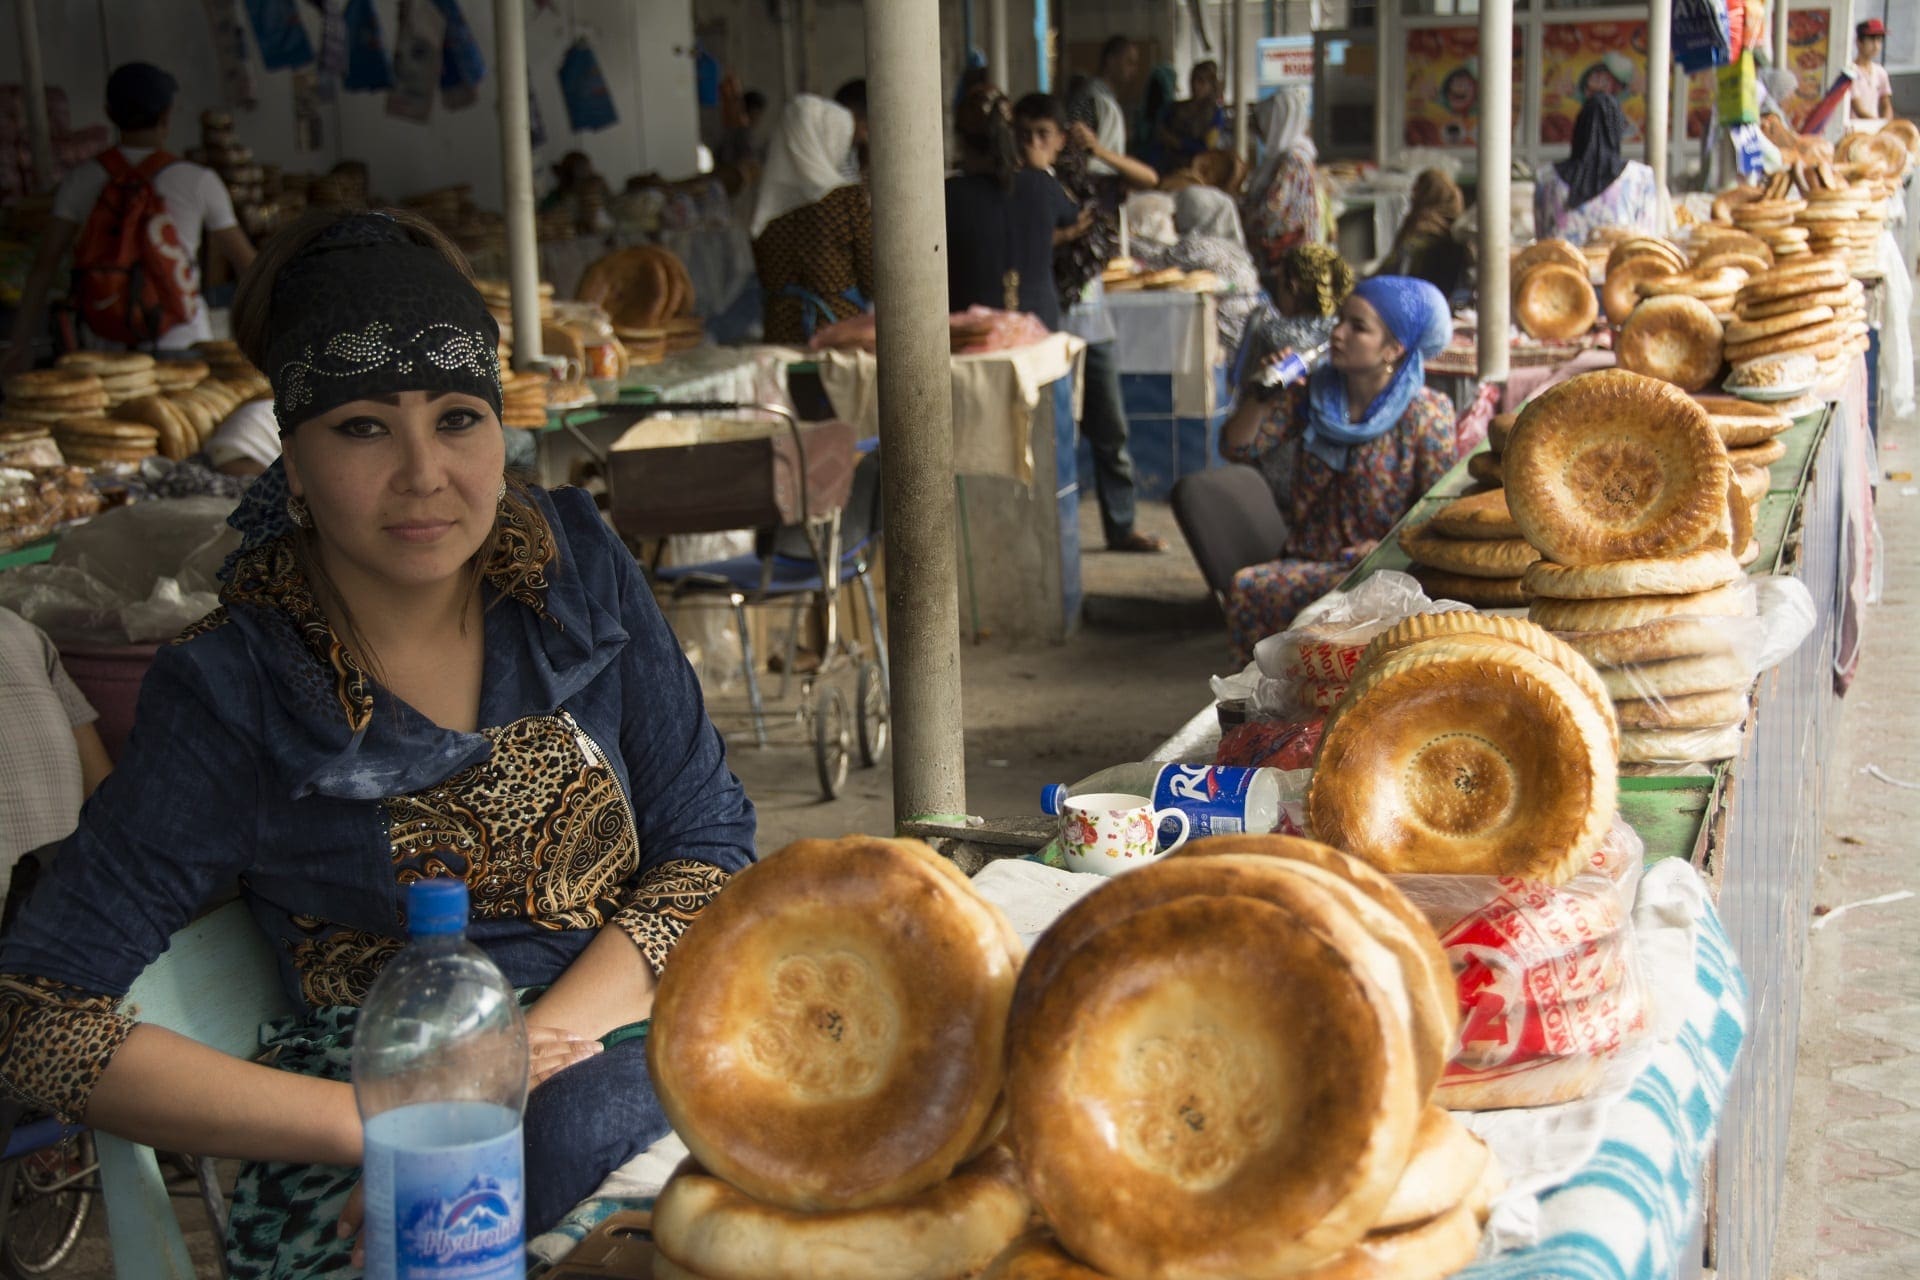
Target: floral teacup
{"type": "Point", "coordinates": [1113, 832]}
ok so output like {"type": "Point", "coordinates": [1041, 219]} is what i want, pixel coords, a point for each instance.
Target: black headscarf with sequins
{"type": "Point", "coordinates": [365, 311]}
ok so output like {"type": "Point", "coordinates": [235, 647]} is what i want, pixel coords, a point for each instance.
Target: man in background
{"type": "Point", "coordinates": [140, 105]}
{"type": "Point", "coordinates": [1100, 98]}
{"type": "Point", "coordinates": [1871, 95]}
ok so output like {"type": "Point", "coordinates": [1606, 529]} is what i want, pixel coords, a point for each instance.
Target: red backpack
{"type": "Point", "coordinates": [132, 277]}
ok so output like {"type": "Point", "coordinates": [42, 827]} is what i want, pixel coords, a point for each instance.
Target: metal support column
{"type": "Point", "coordinates": [1000, 57]}
{"type": "Point", "coordinates": [1780, 54]}
{"type": "Point", "coordinates": [916, 407]}
{"type": "Point", "coordinates": [34, 83]}
{"type": "Point", "coordinates": [1495, 196]}
{"type": "Point", "coordinates": [1244, 77]}
{"type": "Point", "coordinates": [1659, 92]}
{"type": "Point", "coordinates": [516, 177]}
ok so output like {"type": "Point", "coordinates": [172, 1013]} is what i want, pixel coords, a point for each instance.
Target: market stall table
{"type": "Point", "coordinates": [1174, 385]}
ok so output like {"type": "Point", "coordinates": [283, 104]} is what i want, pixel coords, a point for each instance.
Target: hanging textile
{"type": "Point", "coordinates": [332, 63]}
{"type": "Point", "coordinates": [367, 67]}
{"type": "Point", "coordinates": [416, 60]}
{"type": "Point", "coordinates": [462, 67]}
{"type": "Point", "coordinates": [230, 54]}
{"type": "Point", "coordinates": [1737, 92]}
{"type": "Point", "coordinates": [584, 89]}
{"type": "Point", "coordinates": [281, 37]}
{"type": "Point", "coordinates": [1701, 34]}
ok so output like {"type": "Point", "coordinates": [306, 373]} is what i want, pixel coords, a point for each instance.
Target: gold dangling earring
{"type": "Point", "coordinates": [297, 511]}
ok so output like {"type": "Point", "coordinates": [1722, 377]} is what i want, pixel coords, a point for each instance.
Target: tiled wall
{"type": "Point", "coordinates": [1164, 445]}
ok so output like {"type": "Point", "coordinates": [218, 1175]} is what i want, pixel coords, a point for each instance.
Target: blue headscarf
{"type": "Point", "coordinates": [1416, 314]}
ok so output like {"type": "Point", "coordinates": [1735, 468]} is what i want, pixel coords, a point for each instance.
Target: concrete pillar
{"type": "Point", "coordinates": [34, 83]}
{"type": "Point", "coordinates": [1659, 88]}
{"type": "Point", "coordinates": [999, 55]}
{"type": "Point", "coordinates": [916, 407]}
{"type": "Point", "coordinates": [516, 179]}
{"type": "Point", "coordinates": [1780, 35]}
{"type": "Point", "coordinates": [1495, 196]}
{"type": "Point", "coordinates": [1245, 79]}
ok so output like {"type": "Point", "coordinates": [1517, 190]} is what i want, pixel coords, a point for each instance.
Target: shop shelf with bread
{"type": "Point", "coordinates": [813, 501]}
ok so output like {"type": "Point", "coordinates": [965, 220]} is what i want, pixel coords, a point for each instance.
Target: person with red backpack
{"type": "Point", "coordinates": [132, 218]}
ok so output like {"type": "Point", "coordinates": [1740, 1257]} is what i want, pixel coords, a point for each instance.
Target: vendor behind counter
{"type": "Point", "coordinates": [812, 223]}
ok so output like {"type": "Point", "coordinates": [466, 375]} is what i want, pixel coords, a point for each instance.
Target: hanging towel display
{"type": "Point", "coordinates": [462, 67]}
{"type": "Point", "coordinates": [589, 105]}
{"type": "Point", "coordinates": [367, 67]}
{"type": "Point", "coordinates": [416, 60]}
{"type": "Point", "coordinates": [230, 53]}
{"type": "Point", "coordinates": [282, 39]}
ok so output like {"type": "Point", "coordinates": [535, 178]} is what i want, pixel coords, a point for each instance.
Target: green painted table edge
{"type": "Point", "coordinates": [1802, 440]}
{"type": "Point", "coordinates": [33, 553]}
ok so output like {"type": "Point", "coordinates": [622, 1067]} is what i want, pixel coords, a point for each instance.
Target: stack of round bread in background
{"type": "Point", "coordinates": [828, 1041]}
{"type": "Point", "coordinates": [225, 360]}
{"type": "Point", "coordinates": [1750, 433]}
{"type": "Point", "coordinates": [1553, 298]}
{"type": "Point", "coordinates": [1173, 1116]}
{"type": "Point", "coordinates": [523, 399]}
{"type": "Point", "coordinates": [1471, 551]}
{"type": "Point", "coordinates": [1815, 307]}
{"type": "Point", "coordinates": [1771, 219]}
{"type": "Point", "coordinates": [1632, 260]}
{"type": "Point", "coordinates": [54, 395]}
{"type": "Point", "coordinates": [1713, 283]}
{"type": "Point", "coordinates": [124, 375]}
{"type": "Point", "coordinates": [90, 442]}
{"type": "Point", "coordinates": [1624, 485]}
{"type": "Point", "coordinates": [1674, 337]}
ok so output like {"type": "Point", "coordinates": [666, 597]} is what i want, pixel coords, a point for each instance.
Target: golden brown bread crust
{"type": "Point", "coordinates": [1746, 430]}
{"type": "Point", "coordinates": [1621, 294]}
{"type": "Point", "coordinates": [1430, 1250]}
{"type": "Point", "coordinates": [1498, 430]}
{"type": "Point", "coordinates": [1674, 576]}
{"type": "Point", "coordinates": [1541, 1083]}
{"type": "Point", "coordinates": [1171, 1117]}
{"type": "Point", "coordinates": [1555, 302]}
{"type": "Point", "coordinates": [1038, 1257]}
{"type": "Point", "coordinates": [1680, 746]}
{"type": "Point", "coordinates": [1481, 593]}
{"type": "Point", "coordinates": [1614, 466]}
{"type": "Point", "coordinates": [829, 1034]}
{"type": "Point", "coordinates": [1476, 516]}
{"type": "Point", "coordinates": [1759, 455]}
{"type": "Point", "coordinates": [1658, 641]}
{"type": "Point", "coordinates": [1646, 246]}
{"type": "Point", "coordinates": [1552, 250]}
{"type": "Point", "coordinates": [1448, 1163]}
{"type": "Point", "coordinates": [1673, 337]}
{"type": "Point", "coordinates": [1679, 677]}
{"type": "Point", "coordinates": [1632, 611]}
{"type": "Point", "coordinates": [1706, 710]}
{"type": "Point", "coordinates": [1740, 331]}
{"type": "Point", "coordinates": [953, 1229]}
{"type": "Point", "coordinates": [1474, 558]}
{"type": "Point", "coordinates": [1486, 468]}
{"type": "Point", "coordinates": [1470, 759]}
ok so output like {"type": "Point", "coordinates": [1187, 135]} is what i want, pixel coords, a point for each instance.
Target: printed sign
{"type": "Point", "coordinates": [1580, 59]}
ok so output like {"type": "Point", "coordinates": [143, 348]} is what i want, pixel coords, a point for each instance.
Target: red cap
{"type": "Point", "coordinates": [1871, 27]}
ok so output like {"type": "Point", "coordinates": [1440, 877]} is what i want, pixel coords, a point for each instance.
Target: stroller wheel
{"type": "Point", "coordinates": [875, 714]}
{"type": "Point", "coordinates": [832, 739]}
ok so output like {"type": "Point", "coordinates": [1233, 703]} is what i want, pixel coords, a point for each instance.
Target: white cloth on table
{"type": "Point", "coordinates": [1896, 329]}
{"type": "Point", "coordinates": [994, 396]}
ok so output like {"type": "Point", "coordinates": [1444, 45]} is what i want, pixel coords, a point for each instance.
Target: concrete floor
{"type": "Point", "coordinates": [1851, 1206]}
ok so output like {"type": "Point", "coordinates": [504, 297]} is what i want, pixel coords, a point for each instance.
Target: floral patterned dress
{"type": "Point", "coordinates": [1632, 201]}
{"type": "Point", "coordinates": [1286, 214]}
{"type": "Point", "coordinates": [1334, 518]}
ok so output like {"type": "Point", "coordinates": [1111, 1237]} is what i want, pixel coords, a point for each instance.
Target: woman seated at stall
{"type": "Point", "coordinates": [1281, 206]}
{"type": "Point", "coordinates": [1425, 247]}
{"type": "Point", "coordinates": [1196, 124]}
{"type": "Point", "coordinates": [1004, 218]}
{"type": "Point", "coordinates": [1312, 282]}
{"type": "Point", "coordinates": [812, 223]}
{"type": "Point", "coordinates": [420, 669]}
{"type": "Point", "coordinates": [1210, 240]}
{"type": "Point", "coordinates": [1596, 186]}
{"type": "Point", "coordinates": [1348, 452]}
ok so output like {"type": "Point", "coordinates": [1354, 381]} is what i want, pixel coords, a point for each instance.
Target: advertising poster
{"type": "Point", "coordinates": [1809, 36]}
{"type": "Point", "coordinates": [1580, 59]}
{"type": "Point", "coordinates": [1699, 103]}
{"type": "Point", "coordinates": [1443, 87]}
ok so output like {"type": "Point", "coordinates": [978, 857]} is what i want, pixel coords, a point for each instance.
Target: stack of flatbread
{"type": "Point", "coordinates": [1484, 468]}
{"type": "Point", "coordinates": [54, 395]}
{"type": "Point", "coordinates": [1631, 260]}
{"type": "Point", "coordinates": [226, 361]}
{"type": "Point", "coordinates": [1623, 484]}
{"type": "Point", "coordinates": [1751, 434]}
{"type": "Point", "coordinates": [124, 375]}
{"type": "Point", "coordinates": [829, 1042]}
{"type": "Point", "coordinates": [1553, 297]}
{"type": "Point", "coordinates": [1471, 551]}
{"type": "Point", "coordinates": [1813, 306]}
{"type": "Point", "coordinates": [1221, 1065]}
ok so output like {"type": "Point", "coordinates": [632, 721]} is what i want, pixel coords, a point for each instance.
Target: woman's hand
{"type": "Point", "coordinates": [551, 1050]}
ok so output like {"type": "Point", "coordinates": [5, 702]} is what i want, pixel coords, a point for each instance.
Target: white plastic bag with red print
{"type": "Point", "coordinates": [1306, 668]}
{"type": "Point", "coordinates": [1552, 1002]}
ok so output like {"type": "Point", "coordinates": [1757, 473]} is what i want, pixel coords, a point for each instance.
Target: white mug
{"type": "Point", "coordinates": [1111, 832]}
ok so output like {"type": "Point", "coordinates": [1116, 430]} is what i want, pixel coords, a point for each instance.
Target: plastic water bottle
{"type": "Point", "coordinates": [440, 1076]}
{"type": "Point", "coordinates": [1291, 368]}
{"type": "Point", "coordinates": [1217, 799]}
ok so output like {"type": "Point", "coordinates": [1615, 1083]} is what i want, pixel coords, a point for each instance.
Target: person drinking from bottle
{"type": "Point", "coordinates": [420, 668]}
{"type": "Point", "coordinates": [1348, 451]}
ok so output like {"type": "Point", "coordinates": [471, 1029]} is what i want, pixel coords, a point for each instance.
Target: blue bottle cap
{"type": "Point", "coordinates": [437, 907]}
{"type": "Point", "coordinates": [1053, 798]}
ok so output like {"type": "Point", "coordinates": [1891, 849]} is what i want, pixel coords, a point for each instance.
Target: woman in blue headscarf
{"type": "Point", "coordinates": [1348, 451]}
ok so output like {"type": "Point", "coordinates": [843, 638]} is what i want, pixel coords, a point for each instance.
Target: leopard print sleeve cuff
{"type": "Point", "coordinates": [664, 903]}
{"type": "Point", "coordinates": [55, 1040]}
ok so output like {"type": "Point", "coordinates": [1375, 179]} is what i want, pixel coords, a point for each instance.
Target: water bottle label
{"type": "Point", "coordinates": [1214, 798]}
{"type": "Point", "coordinates": [454, 1180]}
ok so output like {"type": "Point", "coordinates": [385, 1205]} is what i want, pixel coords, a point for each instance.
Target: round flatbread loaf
{"type": "Point", "coordinates": [836, 988]}
{"type": "Point", "coordinates": [1611, 465]}
{"type": "Point", "coordinates": [1756, 482]}
{"type": "Point", "coordinates": [1481, 593]}
{"type": "Point", "coordinates": [1498, 430]}
{"type": "Point", "coordinates": [1553, 250]}
{"type": "Point", "coordinates": [1680, 746]}
{"type": "Point", "coordinates": [1430, 1250]}
{"type": "Point", "coordinates": [1833, 299]}
{"type": "Point", "coordinates": [1789, 284]}
{"type": "Point", "coordinates": [1646, 246]}
{"type": "Point", "coordinates": [1786, 322]}
{"type": "Point", "coordinates": [1631, 611]}
{"type": "Point", "coordinates": [1741, 514]}
{"type": "Point", "coordinates": [1476, 517]}
{"type": "Point", "coordinates": [1169, 1114]}
{"type": "Point", "coordinates": [1759, 455]}
{"type": "Point", "coordinates": [1747, 262]}
{"type": "Point", "coordinates": [1695, 282]}
{"type": "Point", "coordinates": [51, 384]}
{"type": "Point", "coordinates": [1555, 302]}
{"type": "Point", "coordinates": [1677, 576]}
{"type": "Point", "coordinates": [1473, 558]}
{"type": "Point", "coordinates": [1684, 711]}
{"type": "Point", "coordinates": [1448, 1164]}
{"type": "Point", "coordinates": [1486, 468]}
{"type": "Point", "coordinates": [1674, 338]}
{"type": "Point", "coordinates": [1811, 338]}
{"type": "Point", "coordinates": [1038, 1257]}
{"type": "Point", "coordinates": [1680, 677]}
{"type": "Point", "coordinates": [1544, 1082]}
{"type": "Point", "coordinates": [1745, 431]}
{"type": "Point", "coordinates": [1466, 758]}
{"type": "Point", "coordinates": [955, 1228]}
{"type": "Point", "coordinates": [1621, 293]}
{"type": "Point", "coordinates": [107, 363]}
{"type": "Point", "coordinates": [1251, 866]}
{"type": "Point", "coordinates": [1663, 640]}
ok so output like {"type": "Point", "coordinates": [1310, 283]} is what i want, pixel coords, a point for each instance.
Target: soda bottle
{"type": "Point", "coordinates": [1217, 799]}
{"type": "Point", "coordinates": [440, 1078]}
{"type": "Point", "coordinates": [1291, 368]}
